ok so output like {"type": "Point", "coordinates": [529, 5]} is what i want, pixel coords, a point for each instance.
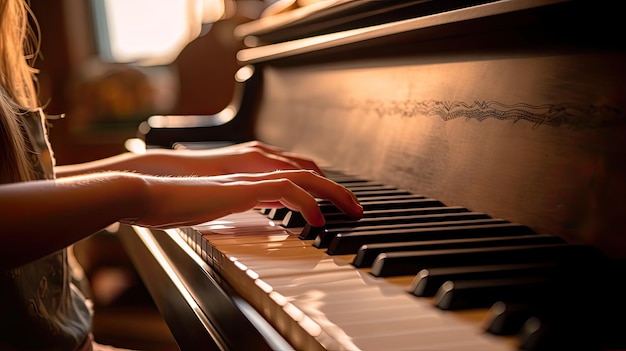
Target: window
{"type": "Point", "coordinates": [150, 32]}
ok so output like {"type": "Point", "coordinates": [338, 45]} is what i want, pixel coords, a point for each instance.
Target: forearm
{"type": "Point", "coordinates": [142, 163]}
{"type": "Point", "coordinates": [154, 162]}
{"type": "Point", "coordinates": [41, 217]}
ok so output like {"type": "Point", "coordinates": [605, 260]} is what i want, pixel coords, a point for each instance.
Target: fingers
{"type": "Point", "coordinates": [289, 195]}
{"type": "Point", "coordinates": [258, 157]}
{"type": "Point", "coordinates": [303, 162]}
{"type": "Point", "coordinates": [264, 161]}
{"type": "Point", "coordinates": [291, 160]}
{"type": "Point", "coordinates": [313, 184]}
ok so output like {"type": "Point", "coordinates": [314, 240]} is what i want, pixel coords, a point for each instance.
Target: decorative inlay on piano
{"type": "Point", "coordinates": [503, 121]}
{"type": "Point", "coordinates": [566, 115]}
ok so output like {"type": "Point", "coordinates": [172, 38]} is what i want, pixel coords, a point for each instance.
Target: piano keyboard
{"type": "Point", "coordinates": [413, 274]}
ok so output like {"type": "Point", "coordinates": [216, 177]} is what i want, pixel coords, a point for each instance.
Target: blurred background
{"type": "Point", "coordinates": [108, 65]}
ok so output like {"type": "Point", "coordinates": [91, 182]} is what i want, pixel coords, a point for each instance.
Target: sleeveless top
{"type": "Point", "coordinates": [41, 307]}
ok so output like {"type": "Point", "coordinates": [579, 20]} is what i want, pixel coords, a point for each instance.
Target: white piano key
{"type": "Point", "coordinates": [368, 311]}
{"type": "Point", "coordinates": [377, 315]}
{"type": "Point", "coordinates": [316, 299]}
{"type": "Point", "coordinates": [410, 323]}
{"type": "Point", "coordinates": [284, 260]}
{"type": "Point", "coordinates": [456, 337]}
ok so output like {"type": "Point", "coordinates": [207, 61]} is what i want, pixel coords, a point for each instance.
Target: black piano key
{"type": "Point", "coordinates": [364, 187]}
{"type": "Point", "coordinates": [368, 253]}
{"type": "Point", "coordinates": [416, 217]}
{"type": "Point", "coordinates": [363, 194]}
{"type": "Point", "coordinates": [574, 331]}
{"type": "Point", "coordinates": [325, 239]}
{"type": "Point", "coordinates": [466, 294]}
{"type": "Point", "coordinates": [382, 202]}
{"type": "Point", "coordinates": [427, 281]}
{"type": "Point", "coordinates": [585, 307]}
{"type": "Point", "coordinates": [342, 218]}
{"type": "Point", "coordinates": [415, 220]}
{"type": "Point", "coordinates": [507, 318]}
{"type": "Point", "coordinates": [397, 223]}
{"type": "Point", "coordinates": [536, 335]}
{"type": "Point", "coordinates": [371, 196]}
{"type": "Point", "coordinates": [385, 202]}
{"type": "Point", "coordinates": [346, 179]}
{"type": "Point", "coordinates": [310, 232]}
{"type": "Point", "coordinates": [400, 199]}
{"type": "Point", "coordinates": [295, 219]}
{"type": "Point", "coordinates": [353, 181]}
{"type": "Point", "coordinates": [408, 263]}
{"type": "Point", "coordinates": [278, 213]}
{"type": "Point", "coordinates": [351, 242]}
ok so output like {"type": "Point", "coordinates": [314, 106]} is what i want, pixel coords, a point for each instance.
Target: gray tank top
{"type": "Point", "coordinates": [41, 307]}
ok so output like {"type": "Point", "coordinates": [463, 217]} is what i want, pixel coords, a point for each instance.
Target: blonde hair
{"type": "Point", "coordinates": [18, 92]}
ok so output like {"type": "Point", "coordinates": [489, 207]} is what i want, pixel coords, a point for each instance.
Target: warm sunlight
{"type": "Point", "coordinates": [153, 32]}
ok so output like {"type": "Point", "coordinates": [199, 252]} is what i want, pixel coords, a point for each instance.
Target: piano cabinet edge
{"type": "Point", "coordinates": [197, 309]}
{"type": "Point", "coordinates": [172, 305]}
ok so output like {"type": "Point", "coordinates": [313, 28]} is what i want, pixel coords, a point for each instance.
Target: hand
{"type": "Point", "coordinates": [249, 157]}
{"type": "Point", "coordinates": [175, 202]}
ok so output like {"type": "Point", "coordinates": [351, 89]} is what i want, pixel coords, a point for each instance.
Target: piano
{"type": "Point", "coordinates": [486, 140]}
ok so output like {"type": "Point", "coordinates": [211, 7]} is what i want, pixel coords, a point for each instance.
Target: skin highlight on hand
{"type": "Point", "coordinates": [201, 199]}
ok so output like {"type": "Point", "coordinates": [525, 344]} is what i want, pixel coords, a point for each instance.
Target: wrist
{"type": "Point", "coordinates": [134, 191]}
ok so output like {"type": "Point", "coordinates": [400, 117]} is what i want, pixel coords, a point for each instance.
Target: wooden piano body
{"type": "Point", "coordinates": [512, 108]}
